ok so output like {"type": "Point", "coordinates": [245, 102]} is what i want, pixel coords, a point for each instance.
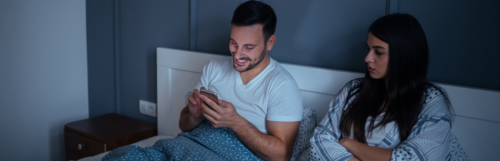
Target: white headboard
{"type": "Point", "coordinates": [477, 121]}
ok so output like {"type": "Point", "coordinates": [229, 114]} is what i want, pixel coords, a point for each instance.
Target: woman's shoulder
{"type": "Point", "coordinates": [356, 81]}
{"type": "Point", "coordinates": [434, 93]}
{"type": "Point", "coordinates": [352, 84]}
{"type": "Point", "coordinates": [350, 87]}
{"type": "Point", "coordinates": [436, 101]}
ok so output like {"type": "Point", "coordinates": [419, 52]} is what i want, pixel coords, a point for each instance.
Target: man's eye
{"type": "Point", "coordinates": [249, 48]}
{"type": "Point", "coordinates": [378, 53]}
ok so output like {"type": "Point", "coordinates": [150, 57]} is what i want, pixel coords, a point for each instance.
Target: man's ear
{"type": "Point", "coordinates": [270, 42]}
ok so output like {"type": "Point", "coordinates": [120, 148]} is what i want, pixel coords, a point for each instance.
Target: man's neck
{"type": "Point", "coordinates": [252, 73]}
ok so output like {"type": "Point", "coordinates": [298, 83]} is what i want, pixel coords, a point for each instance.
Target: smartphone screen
{"type": "Point", "coordinates": [211, 95]}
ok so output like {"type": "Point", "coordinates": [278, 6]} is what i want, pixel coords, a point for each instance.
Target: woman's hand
{"type": "Point", "coordinates": [364, 151]}
{"type": "Point", "coordinates": [348, 144]}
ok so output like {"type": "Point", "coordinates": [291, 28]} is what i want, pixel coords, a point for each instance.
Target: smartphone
{"type": "Point", "coordinates": [211, 95]}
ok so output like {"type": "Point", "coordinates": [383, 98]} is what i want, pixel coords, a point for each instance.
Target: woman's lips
{"type": "Point", "coordinates": [370, 69]}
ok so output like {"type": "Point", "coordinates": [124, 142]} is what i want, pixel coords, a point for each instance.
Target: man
{"type": "Point", "coordinates": [258, 99]}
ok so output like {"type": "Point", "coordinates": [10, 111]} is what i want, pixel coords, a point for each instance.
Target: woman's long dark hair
{"type": "Point", "coordinates": [404, 96]}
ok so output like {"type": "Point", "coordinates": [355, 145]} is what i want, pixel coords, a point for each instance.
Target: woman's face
{"type": "Point", "coordinates": [377, 58]}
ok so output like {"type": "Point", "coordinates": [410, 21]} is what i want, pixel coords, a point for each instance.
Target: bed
{"type": "Point", "coordinates": [476, 125]}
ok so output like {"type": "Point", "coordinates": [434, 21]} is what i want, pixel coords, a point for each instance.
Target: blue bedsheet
{"type": "Point", "coordinates": [203, 143]}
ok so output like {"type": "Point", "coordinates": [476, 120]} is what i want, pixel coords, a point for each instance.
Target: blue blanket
{"type": "Point", "coordinates": [203, 143]}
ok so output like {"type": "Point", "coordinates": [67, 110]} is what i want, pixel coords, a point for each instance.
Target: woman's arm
{"type": "Point", "coordinates": [429, 139]}
{"type": "Point", "coordinates": [366, 152]}
{"type": "Point", "coordinates": [430, 136]}
{"type": "Point", "coordinates": [324, 142]}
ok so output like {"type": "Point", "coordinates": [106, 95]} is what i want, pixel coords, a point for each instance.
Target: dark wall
{"type": "Point", "coordinates": [328, 34]}
{"type": "Point", "coordinates": [101, 56]}
{"type": "Point", "coordinates": [144, 26]}
{"type": "Point", "coordinates": [323, 33]}
{"type": "Point", "coordinates": [122, 40]}
{"type": "Point", "coordinates": [43, 76]}
{"type": "Point", "coordinates": [463, 39]}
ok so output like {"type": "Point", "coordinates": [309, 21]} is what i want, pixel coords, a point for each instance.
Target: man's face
{"type": "Point", "coordinates": [247, 46]}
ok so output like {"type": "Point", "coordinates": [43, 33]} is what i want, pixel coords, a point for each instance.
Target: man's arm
{"type": "Point", "coordinates": [277, 145]}
{"type": "Point", "coordinates": [187, 122]}
{"type": "Point", "coordinates": [191, 115]}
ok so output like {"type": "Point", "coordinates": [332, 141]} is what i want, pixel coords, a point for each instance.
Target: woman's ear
{"type": "Point", "coordinates": [270, 42]}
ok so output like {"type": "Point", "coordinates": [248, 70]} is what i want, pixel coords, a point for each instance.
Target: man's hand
{"type": "Point", "coordinates": [195, 103]}
{"type": "Point", "coordinates": [192, 114]}
{"type": "Point", "coordinates": [277, 145]}
{"type": "Point", "coordinates": [223, 115]}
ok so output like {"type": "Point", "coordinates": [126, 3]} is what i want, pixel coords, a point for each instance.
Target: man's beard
{"type": "Point", "coordinates": [251, 66]}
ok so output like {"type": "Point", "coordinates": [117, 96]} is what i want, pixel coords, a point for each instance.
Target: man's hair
{"type": "Point", "coordinates": [255, 12]}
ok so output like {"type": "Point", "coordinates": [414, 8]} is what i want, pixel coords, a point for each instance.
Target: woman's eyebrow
{"type": "Point", "coordinates": [375, 47]}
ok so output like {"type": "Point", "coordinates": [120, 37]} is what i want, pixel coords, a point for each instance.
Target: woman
{"type": "Point", "coordinates": [393, 113]}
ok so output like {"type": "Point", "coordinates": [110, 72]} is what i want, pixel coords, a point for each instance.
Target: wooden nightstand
{"type": "Point", "coordinates": [103, 133]}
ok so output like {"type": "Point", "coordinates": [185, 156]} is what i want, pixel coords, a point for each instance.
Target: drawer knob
{"type": "Point", "coordinates": [81, 146]}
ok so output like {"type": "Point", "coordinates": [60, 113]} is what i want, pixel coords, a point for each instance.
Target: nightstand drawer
{"type": "Point", "coordinates": [96, 135]}
{"type": "Point", "coordinates": [82, 146]}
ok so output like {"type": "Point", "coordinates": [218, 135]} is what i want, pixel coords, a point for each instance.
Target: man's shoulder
{"type": "Point", "coordinates": [285, 102]}
{"type": "Point", "coordinates": [222, 62]}
{"type": "Point", "coordinates": [280, 75]}
{"type": "Point", "coordinates": [218, 65]}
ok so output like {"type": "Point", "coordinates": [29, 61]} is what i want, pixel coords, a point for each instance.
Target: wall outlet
{"type": "Point", "coordinates": [147, 108]}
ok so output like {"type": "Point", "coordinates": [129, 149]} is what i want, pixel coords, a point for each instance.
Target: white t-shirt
{"type": "Point", "coordinates": [378, 134]}
{"type": "Point", "coordinates": [272, 95]}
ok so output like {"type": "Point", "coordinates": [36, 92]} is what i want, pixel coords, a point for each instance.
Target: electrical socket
{"type": "Point", "coordinates": [147, 108]}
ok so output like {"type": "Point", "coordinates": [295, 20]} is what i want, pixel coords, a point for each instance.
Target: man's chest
{"type": "Point", "coordinates": [250, 99]}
